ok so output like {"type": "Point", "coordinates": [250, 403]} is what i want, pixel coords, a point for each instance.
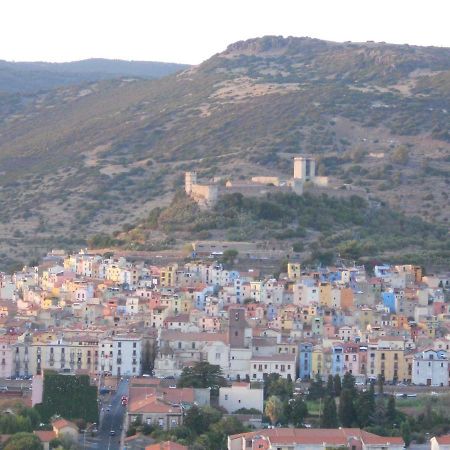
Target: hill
{"type": "Point", "coordinates": [81, 160]}
{"type": "Point", "coordinates": [29, 77]}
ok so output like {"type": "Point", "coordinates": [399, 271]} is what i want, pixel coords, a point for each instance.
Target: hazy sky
{"type": "Point", "coordinates": [192, 30]}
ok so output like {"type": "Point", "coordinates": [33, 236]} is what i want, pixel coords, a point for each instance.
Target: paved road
{"type": "Point", "coordinates": [109, 420]}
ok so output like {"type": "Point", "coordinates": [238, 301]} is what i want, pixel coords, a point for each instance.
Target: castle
{"type": "Point", "coordinates": [206, 195]}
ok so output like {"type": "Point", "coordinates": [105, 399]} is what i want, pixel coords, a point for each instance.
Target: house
{"type": "Point", "coordinates": [241, 395]}
{"type": "Point", "coordinates": [313, 439]}
{"type": "Point", "coordinates": [430, 367]}
{"type": "Point", "coordinates": [63, 427]}
{"type": "Point", "coordinates": [284, 365]}
{"type": "Point", "coordinates": [46, 437]}
{"type": "Point", "coordinates": [154, 409]}
{"type": "Point", "coordinates": [440, 442]}
{"type": "Point", "coordinates": [167, 445]}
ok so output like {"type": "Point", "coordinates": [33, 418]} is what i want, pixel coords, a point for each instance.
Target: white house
{"type": "Point", "coordinates": [430, 367]}
{"type": "Point", "coordinates": [282, 364]}
{"type": "Point", "coordinates": [241, 395]}
{"type": "Point", "coordinates": [126, 355]}
{"type": "Point", "coordinates": [440, 442]}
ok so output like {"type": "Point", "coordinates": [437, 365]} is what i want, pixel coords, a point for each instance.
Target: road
{"type": "Point", "coordinates": [109, 420]}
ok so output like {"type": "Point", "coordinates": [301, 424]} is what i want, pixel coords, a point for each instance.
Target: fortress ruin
{"type": "Point", "coordinates": [206, 195]}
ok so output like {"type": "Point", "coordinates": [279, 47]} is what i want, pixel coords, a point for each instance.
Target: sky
{"type": "Point", "coordinates": [190, 31]}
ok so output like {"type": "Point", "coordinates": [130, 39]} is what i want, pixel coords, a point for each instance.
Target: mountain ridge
{"type": "Point", "coordinates": [29, 77]}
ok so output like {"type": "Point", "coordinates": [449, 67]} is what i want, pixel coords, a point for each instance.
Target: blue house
{"type": "Point", "coordinates": [337, 359]}
{"type": "Point", "coordinates": [304, 360]}
{"type": "Point", "coordinates": [389, 300]}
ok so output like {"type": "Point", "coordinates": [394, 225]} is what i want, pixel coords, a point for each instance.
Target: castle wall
{"type": "Point", "coordinates": [320, 181]}
{"type": "Point", "coordinates": [204, 193]}
{"type": "Point", "coordinates": [266, 180]}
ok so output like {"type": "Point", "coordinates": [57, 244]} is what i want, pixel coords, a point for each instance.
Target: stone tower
{"type": "Point", "coordinates": [304, 168]}
{"type": "Point", "coordinates": [190, 178]}
{"type": "Point", "coordinates": [236, 327]}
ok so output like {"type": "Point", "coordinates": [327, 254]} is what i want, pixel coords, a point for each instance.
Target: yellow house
{"type": "Point", "coordinates": [365, 318]}
{"type": "Point", "coordinates": [113, 273]}
{"type": "Point", "coordinates": [387, 359]}
{"type": "Point", "coordinates": [294, 271]}
{"type": "Point", "coordinates": [317, 361]}
{"type": "Point", "coordinates": [325, 294]}
{"type": "Point", "coordinates": [168, 275]}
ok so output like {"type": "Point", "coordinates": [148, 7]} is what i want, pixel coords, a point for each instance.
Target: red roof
{"type": "Point", "coordinates": [45, 436]}
{"type": "Point", "coordinates": [168, 445]}
{"type": "Point", "coordinates": [443, 440]}
{"type": "Point", "coordinates": [334, 436]}
{"type": "Point", "coordinates": [63, 423]}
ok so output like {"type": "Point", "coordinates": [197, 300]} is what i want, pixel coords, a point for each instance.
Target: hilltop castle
{"type": "Point", "coordinates": [206, 195]}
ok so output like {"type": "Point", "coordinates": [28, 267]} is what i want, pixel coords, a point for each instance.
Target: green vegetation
{"type": "Point", "coordinates": [204, 428]}
{"type": "Point", "coordinates": [202, 375]}
{"type": "Point", "coordinates": [23, 441]}
{"type": "Point", "coordinates": [350, 227]}
{"type": "Point", "coordinates": [58, 388]}
{"type": "Point", "coordinates": [24, 420]}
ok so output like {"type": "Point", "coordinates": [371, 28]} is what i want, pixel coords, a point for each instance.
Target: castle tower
{"type": "Point", "coordinates": [304, 168]}
{"type": "Point", "coordinates": [190, 178]}
{"type": "Point", "coordinates": [236, 327]}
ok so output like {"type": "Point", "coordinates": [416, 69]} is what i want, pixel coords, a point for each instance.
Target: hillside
{"type": "Point", "coordinates": [29, 77]}
{"type": "Point", "coordinates": [316, 228]}
{"type": "Point", "coordinates": [79, 160]}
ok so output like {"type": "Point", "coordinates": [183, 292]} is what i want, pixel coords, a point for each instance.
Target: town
{"type": "Point", "coordinates": [159, 343]}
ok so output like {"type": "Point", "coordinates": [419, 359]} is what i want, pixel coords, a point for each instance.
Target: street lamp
{"type": "Point", "coordinates": [84, 434]}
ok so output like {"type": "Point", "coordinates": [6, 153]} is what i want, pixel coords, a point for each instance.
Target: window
{"type": "Point", "coordinates": [226, 396]}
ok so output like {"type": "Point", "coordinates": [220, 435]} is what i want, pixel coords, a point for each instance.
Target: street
{"type": "Point", "coordinates": [111, 420]}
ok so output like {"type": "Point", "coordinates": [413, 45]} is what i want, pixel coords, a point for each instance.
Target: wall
{"type": "Point", "coordinates": [237, 397]}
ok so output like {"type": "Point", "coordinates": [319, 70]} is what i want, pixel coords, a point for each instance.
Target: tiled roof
{"type": "Point", "coordinates": [168, 445]}
{"type": "Point", "coordinates": [62, 423]}
{"type": "Point", "coordinates": [45, 436]}
{"type": "Point", "coordinates": [337, 436]}
{"type": "Point", "coordinates": [443, 440]}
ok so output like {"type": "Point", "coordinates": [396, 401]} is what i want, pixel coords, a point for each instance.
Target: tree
{"type": "Point", "coordinates": [346, 408]}
{"type": "Point", "coordinates": [316, 388]}
{"type": "Point", "coordinates": [391, 411]}
{"type": "Point", "coordinates": [202, 375]}
{"type": "Point", "coordinates": [273, 409]}
{"type": "Point", "coordinates": [23, 441]}
{"type": "Point", "coordinates": [380, 385]}
{"type": "Point", "coordinates": [348, 382]}
{"type": "Point", "coordinates": [378, 417]}
{"type": "Point", "coordinates": [330, 386]}
{"type": "Point", "coordinates": [337, 385]}
{"type": "Point", "coordinates": [148, 355]}
{"type": "Point", "coordinates": [219, 431]}
{"type": "Point", "coordinates": [364, 407]}
{"type": "Point", "coordinates": [199, 419]}
{"type": "Point", "coordinates": [68, 442]}
{"type": "Point", "coordinates": [58, 388]}
{"type": "Point", "coordinates": [229, 256]}
{"type": "Point", "coordinates": [274, 384]}
{"type": "Point", "coordinates": [400, 155]}
{"type": "Point", "coordinates": [296, 411]}
{"type": "Point", "coordinates": [406, 432]}
{"type": "Point", "coordinates": [329, 417]}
